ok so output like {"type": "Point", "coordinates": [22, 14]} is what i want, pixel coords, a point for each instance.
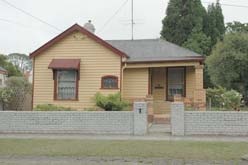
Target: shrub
{"type": "Point", "coordinates": [220, 97]}
{"type": "Point", "coordinates": [51, 107]}
{"type": "Point", "coordinates": [5, 96]}
{"type": "Point", "coordinates": [232, 99]}
{"type": "Point", "coordinates": [111, 102]}
{"type": "Point", "coordinates": [214, 95]}
{"type": "Point", "coordinates": [18, 83]}
{"type": "Point", "coordinates": [21, 93]}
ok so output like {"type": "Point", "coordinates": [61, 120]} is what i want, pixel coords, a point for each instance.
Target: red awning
{"type": "Point", "coordinates": [64, 64]}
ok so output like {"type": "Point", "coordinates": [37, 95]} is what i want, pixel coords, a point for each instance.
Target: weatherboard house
{"type": "Point", "coordinates": [69, 70]}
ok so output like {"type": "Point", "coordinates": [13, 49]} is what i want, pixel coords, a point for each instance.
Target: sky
{"type": "Point", "coordinates": [24, 34]}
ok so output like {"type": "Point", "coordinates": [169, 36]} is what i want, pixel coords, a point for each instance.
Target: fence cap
{"type": "Point", "coordinates": [177, 103]}
{"type": "Point", "coordinates": [140, 102]}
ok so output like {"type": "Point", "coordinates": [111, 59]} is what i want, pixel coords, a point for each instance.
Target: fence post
{"type": "Point", "coordinates": [140, 118]}
{"type": "Point", "coordinates": [177, 118]}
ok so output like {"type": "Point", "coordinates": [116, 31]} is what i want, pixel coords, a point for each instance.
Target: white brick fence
{"type": "Point", "coordinates": [94, 122]}
{"type": "Point", "coordinates": [207, 122]}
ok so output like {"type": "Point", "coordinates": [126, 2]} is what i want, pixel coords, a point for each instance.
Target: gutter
{"type": "Point", "coordinates": [200, 59]}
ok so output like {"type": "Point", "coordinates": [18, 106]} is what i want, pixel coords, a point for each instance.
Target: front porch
{"type": "Point", "coordinates": [181, 83]}
{"type": "Point", "coordinates": [168, 84]}
{"type": "Point", "coordinates": [162, 83]}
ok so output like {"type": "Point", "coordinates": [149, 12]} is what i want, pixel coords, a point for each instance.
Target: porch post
{"type": "Point", "coordinates": [149, 97]}
{"type": "Point", "coordinates": [149, 101]}
{"type": "Point", "coordinates": [199, 92]}
{"type": "Point", "coordinates": [199, 77]}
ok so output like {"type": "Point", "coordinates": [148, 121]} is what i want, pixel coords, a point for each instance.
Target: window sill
{"type": "Point", "coordinates": [66, 100]}
{"type": "Point", "coordinates": [109, 88]}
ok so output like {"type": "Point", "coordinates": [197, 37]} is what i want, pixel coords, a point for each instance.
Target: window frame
{"type": "Point", "coordinates": [55, 94]}
{"type": "Point", "coordinates": [167, 83]}
{"type": "Point", "coordinates": [109, 76]}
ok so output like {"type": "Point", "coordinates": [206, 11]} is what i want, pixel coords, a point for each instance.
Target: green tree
{"type": "Point", "coordinates": [228, 63]}
{"type": "Point", "coordinates": [198, 42]}
{"type": "Point", "coordinates": [236, 27]}
{"type": "Point", "coordinates": [12, 70]}
{"type": "Point", "coordinates": [21, 61]}
{"type": "Point", "coordinates": [214, 26]}
{"type": "Point", "coordinates": [182, 18]}
{"type": "Point", "coordinates": [189, 25]}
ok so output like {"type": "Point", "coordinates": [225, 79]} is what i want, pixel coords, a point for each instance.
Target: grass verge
{"type": "Point", "coordinates": [167, 149]}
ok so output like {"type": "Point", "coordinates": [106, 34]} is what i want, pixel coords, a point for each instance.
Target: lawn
{"type": "Point", "coordinates": [167, 149]}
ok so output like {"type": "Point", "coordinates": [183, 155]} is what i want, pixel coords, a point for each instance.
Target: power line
{"type": "Point", "coordinates": [115, 13]}
{"type": "Point", "coordinates": [224, 4]}
{"type": "Point", "coordinates": [16, 23]}
{"type": "Point", "coordinates": [12, 22]}
{"type": "Point", "coordinates": [9, 21]}
{"type": "Point", "coordinates": [29, 14]}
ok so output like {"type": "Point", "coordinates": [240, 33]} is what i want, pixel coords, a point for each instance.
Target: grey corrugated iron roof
{"type": "Point", "coordinates": [153, 50]}
{"type": "Point", "coordinates": [2, 69]}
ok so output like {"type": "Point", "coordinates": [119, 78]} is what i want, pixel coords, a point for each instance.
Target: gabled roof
{"type": "Point", "coordinates": [154, 50]}
{"type": "Point", "coordinates": [67, 32]}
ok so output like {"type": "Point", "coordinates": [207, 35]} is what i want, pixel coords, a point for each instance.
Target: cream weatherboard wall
{"type": "Point", "coordinates": [96, 61]}
{"type": "Point", "coordinates": [135, 83]}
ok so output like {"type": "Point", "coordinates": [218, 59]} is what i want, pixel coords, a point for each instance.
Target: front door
{"type": "Point", "coordinates": [161, 108]}
{"type": "Point", "coordinates": [158, 83]}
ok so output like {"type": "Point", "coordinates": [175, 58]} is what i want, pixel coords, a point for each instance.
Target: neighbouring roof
{"type": "Point", "coordinates": [154, 50]}
{"type": "Point", "coordinates": [67, 32]}
{"type": "Point", "coordinates": [2, 70]}
{"type": "Point", "coordinates": [64, 64]}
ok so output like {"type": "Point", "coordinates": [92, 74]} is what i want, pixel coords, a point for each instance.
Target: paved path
{"type": "Point", "coordinates": [152, 137]}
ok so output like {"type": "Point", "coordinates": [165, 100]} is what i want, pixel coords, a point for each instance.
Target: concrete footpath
{"type": "Point", "coordinates": [149, 137]}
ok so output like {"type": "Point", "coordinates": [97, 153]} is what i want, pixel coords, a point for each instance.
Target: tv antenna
{"type": "Point", "coordinates": [132, 21]}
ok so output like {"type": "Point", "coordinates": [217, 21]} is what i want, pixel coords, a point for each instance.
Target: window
{"type": "Point", "coordinates": [66, 84]}
{"type": "Point", "coordinates": [176, 82]}
{"type": "Point", "coordinates": [109, 82]}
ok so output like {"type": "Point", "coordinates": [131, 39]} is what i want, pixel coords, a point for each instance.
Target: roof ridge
{"type": "Point", "coordinates": [81, 29]}
{"type": "Point", "coordinates": [133, 40]}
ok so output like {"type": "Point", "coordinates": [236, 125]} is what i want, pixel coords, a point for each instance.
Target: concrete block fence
{"type": "Point", "coordinates": [207, 122]}
{"type": "Point", "coordinates": [93, 122]}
